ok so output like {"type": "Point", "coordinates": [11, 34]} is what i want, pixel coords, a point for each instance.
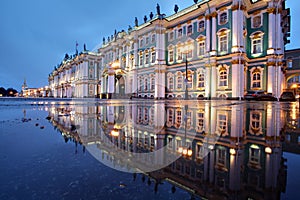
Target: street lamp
{"type": "Point", "coordinates": [187, 49]}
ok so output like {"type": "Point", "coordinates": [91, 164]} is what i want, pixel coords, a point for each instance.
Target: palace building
{"type": "Point", "coordinates": [212, 49]}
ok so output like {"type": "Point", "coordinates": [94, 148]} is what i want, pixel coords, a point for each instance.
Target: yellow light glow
{"type": "Point", "coordinates": [180, 149]}
{"type": "Point", "coordinates": [294, 86]}
{"type": "Point", "coordinates": [115, 64]}
{"type": "Point", "coordinates": [268, 150]}
{"type": "Point", "coordinates": [114, 133]}
{"type": "Point", "coordinates": [232, 151]}
{"type": "Point", "coordinates": [184, 152]}
{"type": "Point", "coordinates": [189, 152]}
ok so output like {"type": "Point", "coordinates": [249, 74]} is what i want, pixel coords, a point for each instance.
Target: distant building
{"type": "Point", "coordinates": [212, 49]}
{"type": "Point", "coordinates": [292, 58]}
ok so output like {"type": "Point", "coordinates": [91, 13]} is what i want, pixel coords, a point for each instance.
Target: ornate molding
{"type": "Point", "coordinates": [270, 64]}
{"type": "Point", "coordinates": [237, 61]}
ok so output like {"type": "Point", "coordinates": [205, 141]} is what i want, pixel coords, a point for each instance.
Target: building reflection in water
{"type": "Point", "coordinates": [208, 149]}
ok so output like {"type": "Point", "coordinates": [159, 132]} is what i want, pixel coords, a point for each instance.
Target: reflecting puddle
{"type": "Point", "coordinates": [208, 149]}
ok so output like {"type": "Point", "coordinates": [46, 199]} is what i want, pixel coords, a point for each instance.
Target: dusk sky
{"type": "Point", "coordinates": [36, 34]}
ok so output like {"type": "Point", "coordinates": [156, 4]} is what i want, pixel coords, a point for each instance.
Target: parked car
{"type": "Point", "coordinates": [253, 94]}
{"type": "Point", "coordinates": [287, 96]}
{"type": "Point", "coordinates": [266, 97]}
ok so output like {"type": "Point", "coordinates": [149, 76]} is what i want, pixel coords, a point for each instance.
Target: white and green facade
{"type": "Point", "coordinates": [212, 49]}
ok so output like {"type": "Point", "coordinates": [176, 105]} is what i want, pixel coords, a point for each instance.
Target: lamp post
{"type": "Point", "coordinates": [186, 79]}
{"type": "Point", "coordinates": [187, 49]}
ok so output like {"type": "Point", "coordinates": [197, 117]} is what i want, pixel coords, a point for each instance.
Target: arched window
{"type": "Point", "coordinates": [152, 83]}
{"type": "Point", "coordinates": [146, 84]}
{"type": "Point", "coordinates": [223, 77]}
{"type": "Point", "coordinates": [190, 79]}
{"type": "Point", "coordinates": [171, 83]}
{"type": "Point", "coordinates": [256, 79]}
{"type": "Point", "coordinates": [179, 80]}
{"type": "Point", "coordinates": [171, 53]}
{"type": "Point", "coordinates": [201, 79]}
{"type": "Point", "coordinates": [153, 55]}
{"type": "Point", "coordinates": [201, 48]}
{"type": "Point", "coordinates": [257, 42]}
{"type": "Point", "coordinates": [146, 57]}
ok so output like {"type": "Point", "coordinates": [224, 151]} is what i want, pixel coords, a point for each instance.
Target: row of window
{"type": "Point", "coordinates": [176, 81]}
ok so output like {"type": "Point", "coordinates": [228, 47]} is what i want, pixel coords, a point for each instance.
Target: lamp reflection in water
{"type": "Point", "coordinates": [115, 132]}
{"type": "Point", "coordinates": [185, 150]}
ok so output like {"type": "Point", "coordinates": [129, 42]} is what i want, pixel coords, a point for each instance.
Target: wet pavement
{"type": "Point", "coordinates": [86, 149]}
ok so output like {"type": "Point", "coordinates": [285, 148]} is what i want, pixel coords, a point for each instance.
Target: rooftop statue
{"type": "Point", "coordinates": [84, 47]}
{"type": "Point", "coordinates": [151, 16]}
{"type": "Point", "coordinates": [158, 9]}
{"type": "Point", "coordinates": [176, 8]}
{"type": "Point", "coordinates": [145, 18]}
{"type": "Point", "coordinates": [196, 1]}
{"type": "Point", "coordinates": [136, 23]}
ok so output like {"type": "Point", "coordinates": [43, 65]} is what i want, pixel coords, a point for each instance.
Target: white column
{"type": "Point", "coordinates": [160, 66]}
{"type": "Point", "coordinates": [134, 82]}
{"type": "Point", "coordinates": [207, 81]}
{"type": "Point", "coordinates": [111, 82]}
{"type": "Point", "coordinates": [213, 81]}
{"type": "Point", "coordinates": [271, 81]}
{"type": "Point", "coordinates": [235, 80]}
{"type": "Point", "coordinates": [213, 33]}
{"type": "Point", "coordinates": [208, 34]}
{"type": "Point", "coordinates": [271, 35]}
{"type": "Point", "coordinates": [237, 116]}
